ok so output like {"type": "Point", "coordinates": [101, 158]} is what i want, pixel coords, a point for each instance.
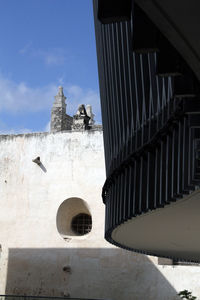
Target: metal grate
{"type": "Point", "coordinates": [81, 224]}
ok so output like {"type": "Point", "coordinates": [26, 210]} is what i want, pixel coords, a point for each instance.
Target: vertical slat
{"type": "Point", "coordinates": [131, 86]}
{"type": "Point", "coordinates": [103, 91]}
{"type": "Point", "coordinates": [168, 169]}
{"type": "Point", "coordinates": [140, 185]}
{"type": "Point", "coordinates": [126, 194]}
{"type": "Point", "coordinates": [139, 87]}
{"type": "Point", "coordinates": [111, 95]}
{"type": "Point", "coordinates": [125, 80]}
{"type": "Point", "coordinates": [176, 161]}
{"type": "Point", "coordinates": [183, 154]}
{"type": "Point", "coordinates": [137, 187]}
{"type": "Point", "coordinates": [108, 144]}
{"type": "Point", "coordinates": [147, 200]}
{"type": "Point", "coordinates": [120, 86]}
{"type": "Point", "coordinates": [172, 173]}
{"type": "Point", "coordinates": [152, 180]}
{"type": "Point", "coordinates": [116, 81]}
{"type": "Point", "coordinates": [156, 185]}
{"type": "Point", "coordinates": [134, 187]}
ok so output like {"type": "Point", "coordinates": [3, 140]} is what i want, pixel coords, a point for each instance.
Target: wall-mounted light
{"type": "Point", "coordinates": [67, 269]}
{"type": "Point", "coordinates": [37, 160]}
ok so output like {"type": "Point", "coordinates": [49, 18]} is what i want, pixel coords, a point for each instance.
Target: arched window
{"type": "Point", "coordinates": [74, 218]}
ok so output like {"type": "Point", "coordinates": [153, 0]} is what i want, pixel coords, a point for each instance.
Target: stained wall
{"type": "Point", "coordinates": [34, 255]}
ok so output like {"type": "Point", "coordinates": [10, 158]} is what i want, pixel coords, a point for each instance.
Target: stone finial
{"type": "Point", "coordinates": [81, 111]}
{"type": "Point", "coordinates": [90, 114]}
{"type": "Point", "coordinates": [81, 119]}
{"type": "Point", "coordinates": [60, 91]}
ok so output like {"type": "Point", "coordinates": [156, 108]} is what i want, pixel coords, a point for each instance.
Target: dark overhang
{"type": "Point", "coordinates": [151, 119]}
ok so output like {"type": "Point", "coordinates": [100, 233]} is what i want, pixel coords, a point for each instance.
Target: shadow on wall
{"type": "Point", "coordinates": [86, 273]}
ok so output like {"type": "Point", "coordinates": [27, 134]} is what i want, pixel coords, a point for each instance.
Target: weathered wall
{"type": "Point", "coordinates": [33, 252]}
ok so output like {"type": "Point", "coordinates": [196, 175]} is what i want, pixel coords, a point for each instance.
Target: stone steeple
{"type": "Point", "coordinates": [59, 120]}
{"type": "Point", "coordinates": [60, 98]}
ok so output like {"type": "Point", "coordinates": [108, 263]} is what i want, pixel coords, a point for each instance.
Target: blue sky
{"type": "Point", "coordinates": [44, 44]}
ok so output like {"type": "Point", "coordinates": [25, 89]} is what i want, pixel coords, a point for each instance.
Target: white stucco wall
{"type": "Point", "coordinates": [33, 252]}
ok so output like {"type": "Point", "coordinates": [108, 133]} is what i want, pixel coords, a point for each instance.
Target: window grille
{"type": "Point", "coordinates": [81, 224]}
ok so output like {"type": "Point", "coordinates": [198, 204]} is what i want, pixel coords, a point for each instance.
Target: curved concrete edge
{"type": "Point", "coordinates": [172, 231]}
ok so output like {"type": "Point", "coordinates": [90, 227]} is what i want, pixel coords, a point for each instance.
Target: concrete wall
{"type": "Point", "coordinates": [33, 253]}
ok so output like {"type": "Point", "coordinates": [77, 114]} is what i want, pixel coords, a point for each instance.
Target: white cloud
{"type": "Point", "coordinates": [20, 98]}
{"type": "Point", "coordinates": [54, 59]}
{"type": "Point", "coordinates": [26, 48]}
{"type": "Point", "coordinates": [51, 57]}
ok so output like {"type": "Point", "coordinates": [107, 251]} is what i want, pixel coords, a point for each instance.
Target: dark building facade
{"type": "Point", "coordinates": [151, 121]}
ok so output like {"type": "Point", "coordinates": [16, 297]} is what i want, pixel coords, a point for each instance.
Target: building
{"type": "Point", "coordinates": [52, 222]}
{"type": "Point", "coordinates": [148, 58]}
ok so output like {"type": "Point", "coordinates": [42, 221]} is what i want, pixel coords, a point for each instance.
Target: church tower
{"type": "Point", "coordinates": [60, 121]}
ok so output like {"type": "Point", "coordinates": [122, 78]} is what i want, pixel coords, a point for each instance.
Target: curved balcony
{"type": "Point", "coordinates": [151, 119]}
